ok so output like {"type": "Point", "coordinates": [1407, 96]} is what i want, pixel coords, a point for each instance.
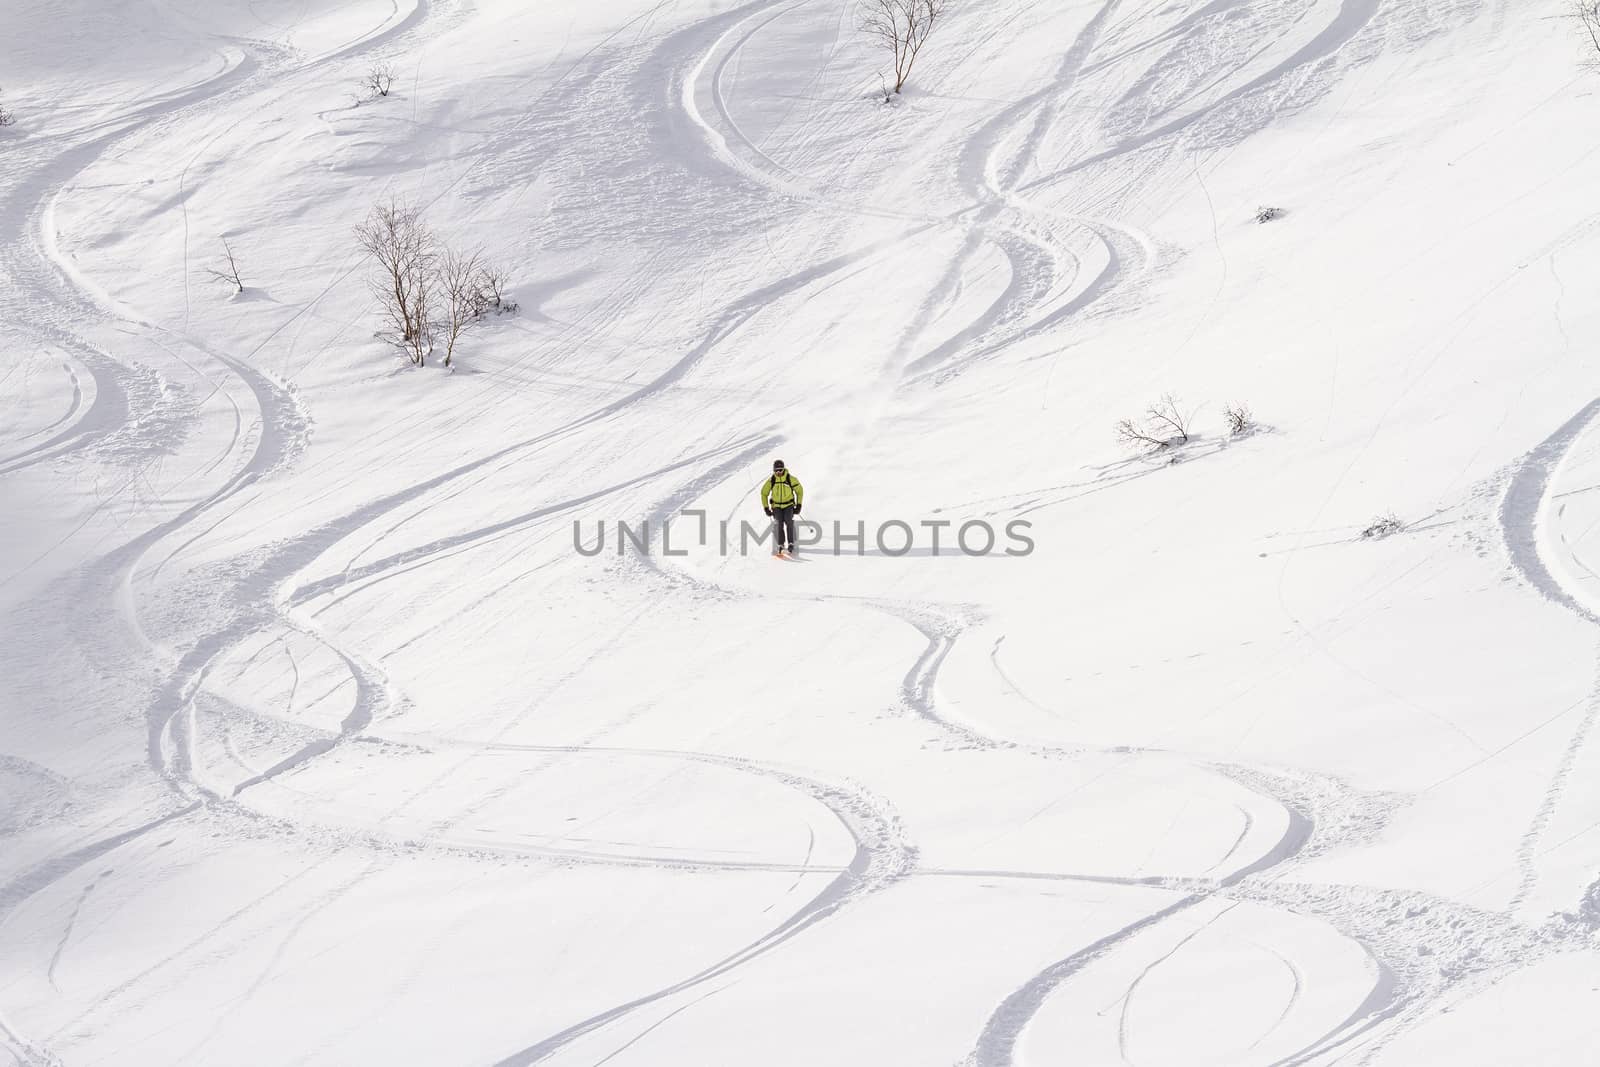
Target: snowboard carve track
{"type": "Point", "coordinates": [882, 858]}
{"type": "Point", "coordinates": [1350, 817]}
{"type": "Point", "coordinates": [1000, 328]}
{"type": "Point", "coordinates": [1481, 946]}
{"type": "Point", "coordinates": [1041, 296]}
{"type": "Point", "coordinates": [725, 141]}
{"type": "Point", "coordinates": [1353, 17]}
{"type": "Point", "coordinates": [110, 412]}
{"type": "Point", "coordinates": [30, 260]}
{"type": "Point", "coordinates": [257, 592]}
{"type": "Point", "coordinates": [68, 417]}
{"type": "Point", "coordinates": [991, 181]}
{"type": "Point", "coordinates": [1525, 510]}
{"type": "Point", "coordinates": [1037, 297]}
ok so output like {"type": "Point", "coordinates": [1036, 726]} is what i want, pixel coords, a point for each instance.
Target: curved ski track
{"type": "Point", "coordinates": [131, 418]}
{"type": "Point", "coordinates": [1032, 305]}
{"type": "Point", "coordinates": [1052, 282]}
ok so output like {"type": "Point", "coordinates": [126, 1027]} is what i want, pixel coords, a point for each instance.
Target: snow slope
{"type": "Point", "coordinates": [320, 742]}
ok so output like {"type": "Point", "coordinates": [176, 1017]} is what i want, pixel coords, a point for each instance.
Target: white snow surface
{"type": "Point", "coordinates": [320, 742]}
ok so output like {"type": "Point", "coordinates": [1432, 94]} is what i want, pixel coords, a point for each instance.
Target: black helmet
{"type": "Point", "coordinates": [777, 466]}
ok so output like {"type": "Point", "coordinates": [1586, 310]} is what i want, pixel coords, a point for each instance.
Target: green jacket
{"type": "Point", "coordinates": [782, 494]}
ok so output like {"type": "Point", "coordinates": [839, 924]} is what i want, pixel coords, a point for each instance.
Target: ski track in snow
{"type": "Point", "coordinates": [131, 418]}
{"type": "Point", "coordinates": [881, 859]}
{"type": "Point", "coordinates": [118, 406]}
{"type": "Point", "coordinates": [1478, 947]}
{"type": "Point", "coordinates": [1394, 996]}
{"type": "Point", "coordinates": [916, 690]}
{"type": "Point", "coordinates": [1527, 510]}
{"type": "Point", "coordinates": [1011, 317]}
{"type": "Point", "coordinates": [255, 590]}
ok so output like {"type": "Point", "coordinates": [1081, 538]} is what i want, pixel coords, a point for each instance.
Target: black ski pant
{"type": "Point", "coordinates": [783, 528]}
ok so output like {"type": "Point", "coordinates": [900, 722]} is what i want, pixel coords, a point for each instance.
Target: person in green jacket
{"type": "Point", "coordinates": [781, 497]}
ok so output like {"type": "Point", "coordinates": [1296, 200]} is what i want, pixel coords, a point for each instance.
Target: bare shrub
{"type": "Point", "coordinates": [228, 269]}
{"type": "Point", "coordinates": [464, 298]}
{"type": "Point", "coordinates": [1386, 525]}
{"type": "Point", "coordinates": [429, 293]}
{"type": "Point", "coordinates": [378, 80]}
{"type": "Point", "coordinates": [1166, 417]}
{"type": "Point", "coordinates": [1240, 421]}
{"type": "Point", "coordinates": [1133, 434]}
{"type": "Point", "coordinates": [1587, 12]}
{"type": "Point", "coordinates": [492, 291]}
{"type": "Point", "coordinates": [1268, 214]}
{"type": "Point", "coordinates": [902, 27]}
{"type": "Point", "coordinates": [7, 118]}
{"type": "Point", "coordinates": [1164, 426]}
{"type": "Point", "coordinates": [405, 252]}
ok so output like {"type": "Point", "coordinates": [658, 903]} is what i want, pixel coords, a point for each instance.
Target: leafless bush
{"type": "Point", "coordinates": [464, 297]}
{"type": "Point", "coordinates": [378, 80]}
{"type": "Point", "coordinates": [1164, 425]}
{"type": "Point", "coordinates": [228, 269]}
{"type": "Point", "coordinates": [1240, 421]}
{"type": "Point", "coordinates": [902, 27]}
{"type": "Point", "coordinates": [492, 291]}
{"type": "Point", "coordinates": [7, 118]}
{"type": "Point", "coordinates": [429, 293]}
{"type": "Point", "coordinates": [405, 252]}
{"type": "Point", "coordinates": [1166, 417]}
{"type": "Point", "coordinates": [1133, 434]}
{"type": "Point", "coordinates": [1386, 525]}
{"type": "Point", "coordinates": [1268, 214]}
{"type": "Point", "coordinates": [1587, 12]}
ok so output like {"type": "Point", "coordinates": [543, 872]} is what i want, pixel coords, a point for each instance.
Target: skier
{"type": "Point", "coordinates": [781, 496]}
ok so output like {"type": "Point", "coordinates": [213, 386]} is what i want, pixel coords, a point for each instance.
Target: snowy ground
{"type": "Point", "coordinates": [321, 743]}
